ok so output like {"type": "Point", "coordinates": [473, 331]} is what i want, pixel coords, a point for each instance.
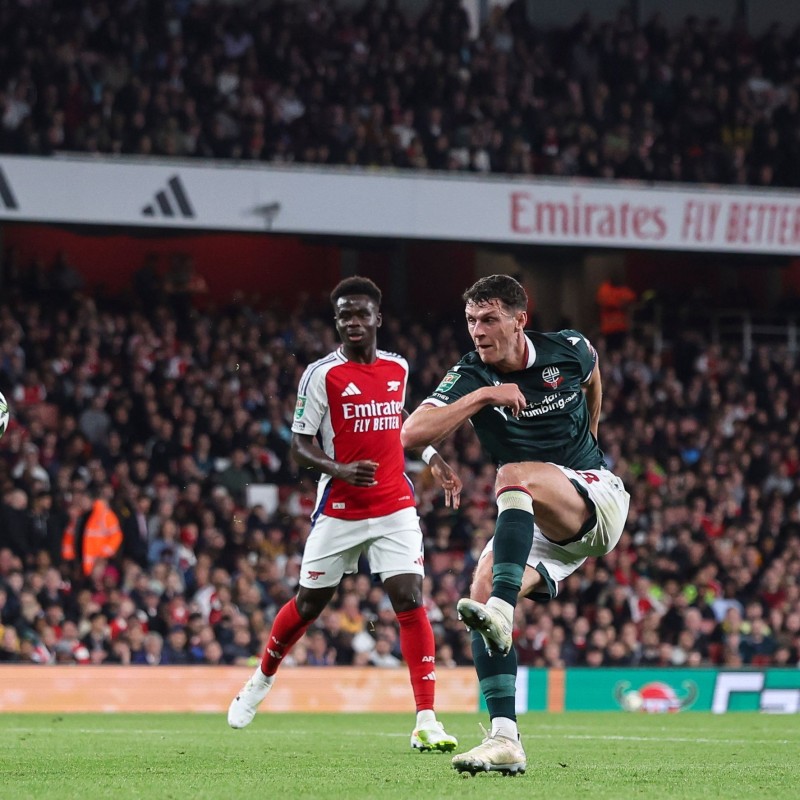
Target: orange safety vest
{"type": "Point", "coordinates": [102, 536]}
{"type": "Point", "coordinates": [613, 302]}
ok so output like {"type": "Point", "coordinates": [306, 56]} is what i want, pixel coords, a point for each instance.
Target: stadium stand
{"type": "Point", "coordinates": [315, 84]}
{"type": "Point", "coordinates": [163, 416]}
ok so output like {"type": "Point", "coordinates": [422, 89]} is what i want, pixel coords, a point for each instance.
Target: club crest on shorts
{"type": "Point", "coordinates": [552, 377]}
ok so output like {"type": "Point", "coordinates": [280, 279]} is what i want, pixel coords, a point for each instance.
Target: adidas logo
{"type": "Point", "coordinates": [350, 390]}
{"type": "Point", "coordinates": [6, 194]}
{"type": "Point", "coordinates": [168, 200]}
{"type": "Point", "coordinates": [431, 676]}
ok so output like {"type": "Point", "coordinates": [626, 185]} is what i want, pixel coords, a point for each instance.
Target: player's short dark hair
{"type": "Point", "coordinates": [356, 285]}
{"type": "Point", "coordinates": [504, 288]}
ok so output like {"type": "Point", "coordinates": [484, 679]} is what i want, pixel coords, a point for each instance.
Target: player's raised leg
{"type": "Point", "coordinates": [291, 622]}
{"type": "Point", "coordinates": [512, 543]}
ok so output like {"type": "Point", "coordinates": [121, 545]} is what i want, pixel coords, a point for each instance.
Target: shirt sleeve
{"type": "Point", "coordinates": [312, 402]}
{"type": "Point", "coordinates": [457, 383]}
{"type": "Point", "coordinates": [404, 365]}
{"type": "Point", "coordinates": [584, 352]}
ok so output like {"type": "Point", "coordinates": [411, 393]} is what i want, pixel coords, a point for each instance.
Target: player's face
{"type": "Point", "coordinates": [357, 321]}
{"type": "Point", "coordinates": [495, 331]}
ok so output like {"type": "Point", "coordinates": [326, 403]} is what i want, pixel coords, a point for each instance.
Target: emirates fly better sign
{"type": "Point", "coordinates": [407, 204]}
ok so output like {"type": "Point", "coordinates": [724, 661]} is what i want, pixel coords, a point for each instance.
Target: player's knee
{"type": "Point", "coordinates": [310, 604]}
{"type": "Point", "coordinates": [405, 592]}
{"type": "Point", "coordinates": [406, 598]}
{"type": "Point", "coordinates": [512, 475]}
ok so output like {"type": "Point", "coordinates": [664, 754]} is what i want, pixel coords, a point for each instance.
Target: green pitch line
{"type": "Point", "coordinates": [355, 756]}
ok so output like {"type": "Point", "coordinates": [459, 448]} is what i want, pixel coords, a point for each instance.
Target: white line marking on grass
{"type": "Point", "coordinates": [387, 734]}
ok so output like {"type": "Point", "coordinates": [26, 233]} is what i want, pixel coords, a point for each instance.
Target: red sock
{"type": "Point", "coordinates": [418, 648]}
{"type": "Point", "coordinates": [287, 628]}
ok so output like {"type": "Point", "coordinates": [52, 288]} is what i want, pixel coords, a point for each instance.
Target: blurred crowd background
{"type": "Point", "coordinates": [141, 425]}
{"type": "Point", "coordinates": [310, 82]}
{"type": "Point", "coordinates": [129, 531]}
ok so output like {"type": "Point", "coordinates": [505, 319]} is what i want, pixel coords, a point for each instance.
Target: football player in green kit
{"type": "Point", "coordinates": [534, 400]}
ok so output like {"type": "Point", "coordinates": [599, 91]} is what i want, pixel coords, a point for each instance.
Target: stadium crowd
{"type": "Point", "coordinates": [310, 82]}
{"type": "Point", "coordinates": [145, 423]}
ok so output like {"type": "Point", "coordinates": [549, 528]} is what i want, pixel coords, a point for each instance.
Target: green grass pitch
{"type": "Point", "coordinates": [352, 756]}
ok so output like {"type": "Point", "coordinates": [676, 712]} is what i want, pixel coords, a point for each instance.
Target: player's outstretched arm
{"type": "Point", "coordinates": [307, 453]}
{"type": "Point", "coordinates": [429, 423]}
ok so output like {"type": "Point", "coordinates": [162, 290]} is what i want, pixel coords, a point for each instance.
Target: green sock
{"type": "Point", "coordinates": [498, 678]}
{"type": "Point", "coordinates": [513, 536]}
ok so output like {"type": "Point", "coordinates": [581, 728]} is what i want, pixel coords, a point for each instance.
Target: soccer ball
{"type": "Point", "coordinates": [4, 415]}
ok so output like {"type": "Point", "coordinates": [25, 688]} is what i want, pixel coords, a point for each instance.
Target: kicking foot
{"type": "Point", "coordinates": [433, 738]}
{"type": "Point", "coordinates": [489, 623]}
{"type": "Point", "coordinates": [243, 707]}
{"type": "Point", "coordinates": [494, 754]}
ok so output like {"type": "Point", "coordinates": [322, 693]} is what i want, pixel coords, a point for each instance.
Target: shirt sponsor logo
{"type": "Point", "coordinates": [371, 409]}
{"type": "Point", "coordinates": [551, 402]}
{"type": "Point", "coordinates": [448, 382]}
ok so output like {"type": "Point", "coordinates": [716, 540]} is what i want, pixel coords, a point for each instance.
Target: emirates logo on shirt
{"type": "Point", "coordinates": [552, 377]}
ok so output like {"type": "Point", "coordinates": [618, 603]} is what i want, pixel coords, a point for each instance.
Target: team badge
{"type": "Point", "coordinates": [448, 382]}
{"type": "Point", "coordinates": [552, 377]}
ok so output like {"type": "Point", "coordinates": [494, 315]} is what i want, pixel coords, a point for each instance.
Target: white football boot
{"type": "Point", "coordinates": [243, 707]}
{"type": "Point", "coordinates": [432, 737]}
{"type": "Point", "coordinates": [490, 624]}
{"type": "Point", "coordinates": [495, 753]}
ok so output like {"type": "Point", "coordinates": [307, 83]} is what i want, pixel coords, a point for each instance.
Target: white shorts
{"type": "Point", "coordinates": [557, 561]}
{"type": "Point", "coordinates": [393, 545]}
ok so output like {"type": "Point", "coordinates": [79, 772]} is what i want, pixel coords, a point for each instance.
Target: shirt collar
{"type": "Point", "coordinates": [531, 352]}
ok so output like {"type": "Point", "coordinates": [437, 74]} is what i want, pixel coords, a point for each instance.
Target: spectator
{"type": "Point", "coordinates": [614, 300]}
{"type": "Point", "coordinates": [92, 533]}
{"type": "Point", "coordinates": [151, 653]}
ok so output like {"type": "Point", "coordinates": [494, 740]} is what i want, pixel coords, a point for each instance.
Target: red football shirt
{"type": "Point", "coordinates": [356, 412]}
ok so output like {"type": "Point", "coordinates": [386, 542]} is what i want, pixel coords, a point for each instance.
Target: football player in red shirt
{"type": "Point", "coordinates": [347, 425]}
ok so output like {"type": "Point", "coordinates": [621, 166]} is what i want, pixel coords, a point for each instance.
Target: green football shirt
{"type": "Point", "coordinates": [554, 426]}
